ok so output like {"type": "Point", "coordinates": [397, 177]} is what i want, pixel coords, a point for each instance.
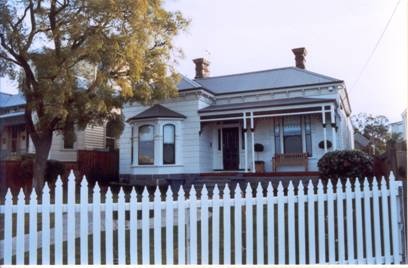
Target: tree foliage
{"type": "Point", "coordinates": [79, 61]}
{"type": "Point", "coordinates": [374, 128]}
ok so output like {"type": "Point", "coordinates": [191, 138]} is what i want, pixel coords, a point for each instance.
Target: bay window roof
{"type": "Point", "coordinates": [157, 111]}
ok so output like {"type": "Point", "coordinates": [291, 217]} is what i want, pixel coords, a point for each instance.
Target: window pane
{"type": "Point", "coordinates": [168, 144]}
{"type": "Point", "coordinates": [293, 144]}
{"type": "Point", "coordinates": [292, 134]}
{"type": "Point", "coordinates": [168, 134]}
{"type": "Point", "coordinates": [146, 145]}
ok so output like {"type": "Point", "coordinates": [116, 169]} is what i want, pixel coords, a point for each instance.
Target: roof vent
{"type": "Point", "coordinates": [300, 56]}
{"type": "Point", "coordinates": [201, 68]}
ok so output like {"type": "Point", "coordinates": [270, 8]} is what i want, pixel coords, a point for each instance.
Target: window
{"type": "Point", "coordinates": [68, 142]}
{"type": "Point", "coordinates": [277, 123]}
{"type": "Point", "coordinates": [292, 134]}
{"type": "Point", "coordinates": [169, 149]}
{"type": "Point", "coordinates": [308, 134]}
{"type": "Point", "coordinates": [110, 136]}
{"type": "Point", "coordinates": [146, 145]}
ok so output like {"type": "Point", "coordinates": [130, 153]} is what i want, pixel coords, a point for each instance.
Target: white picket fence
{"type": "Point", "coordinates": [360, 225]}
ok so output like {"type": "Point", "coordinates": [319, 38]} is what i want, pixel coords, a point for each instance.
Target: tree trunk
{"type": "Point", "coordinates": [42, 149]}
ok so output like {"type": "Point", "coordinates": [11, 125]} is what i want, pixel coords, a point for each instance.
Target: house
{"type": "Point", "coordinates": [16, 142]}
{"type": "Point", "coordinates": [214, 123]}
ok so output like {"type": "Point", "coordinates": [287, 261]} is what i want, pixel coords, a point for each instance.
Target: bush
{"type": "Point", "coordinates": [346, 164]}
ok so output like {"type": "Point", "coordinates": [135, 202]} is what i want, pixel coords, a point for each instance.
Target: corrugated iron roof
{"type": "Point", "coordinates": [263, 104]}
{"type": "Point", "coordinates": [267, 79]}
{"type": "Point", "coordinates": [157, 111]}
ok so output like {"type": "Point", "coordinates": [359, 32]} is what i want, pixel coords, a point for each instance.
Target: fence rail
{"type": "Point", "coordinates": [344, 224]}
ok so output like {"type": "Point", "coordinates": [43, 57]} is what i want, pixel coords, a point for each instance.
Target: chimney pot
{"type": "Point", "coordinates": [300, 57]}
{"type": "Point", "coordinates": [201, 67]}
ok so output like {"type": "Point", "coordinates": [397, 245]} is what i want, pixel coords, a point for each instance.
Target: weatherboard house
{"type": "Point", "coordinates": [269, 121]}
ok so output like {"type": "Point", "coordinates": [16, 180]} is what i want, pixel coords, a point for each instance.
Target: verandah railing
{"type": "Point", "coordinates": [336, 224]}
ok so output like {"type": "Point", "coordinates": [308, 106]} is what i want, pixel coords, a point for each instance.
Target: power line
{"type": "Point", "coordinates": [376, 45]}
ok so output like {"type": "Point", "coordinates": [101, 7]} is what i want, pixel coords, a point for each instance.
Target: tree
{"type": "Point", "coordinates": [374, 128]}
{"type": "Point", "coordinates": [79, 61]}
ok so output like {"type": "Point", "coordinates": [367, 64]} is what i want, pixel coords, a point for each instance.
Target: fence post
{"type": "Point", "coordinates": [193, 227]}
{"type": "Point", "coordinates": [350, 228]}
{"type": "Point", "coordinates": [359, 222]}
{"type": "Point", "coordinates": [281, 225]}
{"type": "Point", "coordinates": [133, 227]}
{"type": "Point", "coordinates": [238, 226]}
{"type": "Point", "coordinates": [368, 222]}
{"type": "Point", "coordinates": [330, 222]}
{"type": "Point", "coordinates": [96, 225]}
{"type": "Point", "coordinates": [181, 227]}
{"type": "Point", "coordinates": [259, 226]}
{"type": "Point", "coordinates": [271, 224]}
{"type": "Point", "coordinates": [340, 221]}
{"type": "Point", "coordinates": [145, 227]}
{"type": "Point", "coordinates": [377, 224]}
{"type": "Point", "coordinates": [121, 228]}
{"type": "Point", "coordinates": [394, 219]}
{"type": "Point", "coordinates": [169, 226]}
{"type": "Point", "coordinates": [291, 224]}
{"type": "Point", "coordinates": [311, 222]}
{"type": "Point", "coordinates": [301, 225]}
{"type": "Point", "coordinates": [45, 223]}
{"type": "Point", "coordinates": [157, 227]}
{"type": "Point", "coordinates": [216, 226]}
{"type": "Point", "coordinates": [20, 229]}
{"type": "Point", "coordinates": [321, 226]}
{"type": "Point", "coordinates": [227, 225]}
{"type": "Point", "coordinates": [204, 226]}
{"type": "Point", "coordinates": [8, 220]}
{"type": "Point", "coordinates": [108, 227]}
{"type": "Point", "coordinates": [84, 221]}
{"type": "Point", "coordinates": [385, 222]}
{"type": "Point", "coordinates": [249, 225]}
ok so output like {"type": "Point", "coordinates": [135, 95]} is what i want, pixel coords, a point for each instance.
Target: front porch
{"type": "Point", "coordinates": [288, 135]}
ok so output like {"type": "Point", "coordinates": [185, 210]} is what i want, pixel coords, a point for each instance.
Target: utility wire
{"type": "Point", "coordinates": [376, 45]}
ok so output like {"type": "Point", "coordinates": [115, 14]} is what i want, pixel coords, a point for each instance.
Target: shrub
{"type": "Point", "coordinates": [346, 164]}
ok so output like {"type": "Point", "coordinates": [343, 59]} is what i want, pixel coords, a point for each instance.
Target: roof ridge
{"type": "Point", "coordinates": [236, 74]}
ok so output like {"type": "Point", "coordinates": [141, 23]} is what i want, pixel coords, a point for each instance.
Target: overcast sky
{"type": "Point", "coordinates": [241, 36]}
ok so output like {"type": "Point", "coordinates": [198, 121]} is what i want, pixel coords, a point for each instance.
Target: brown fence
{"type": "Point", "coordinates": [99, 165]}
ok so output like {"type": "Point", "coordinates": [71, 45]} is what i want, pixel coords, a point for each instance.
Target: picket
{"type": "Point", "coordinates": [377, 226]}
{"type": "Point", "coordinates": [301, 225]}
{"type": "Point", "coordinates": [58, 231]}
{"type": "Point", "coordinates": [216, 226]}
{"type": "Point", "coordinates": [20, 228]}
{"type": "Point", "coordinates": [330, 222]}
{"type": "Point", "coordinates": [281, 225]}
{"type": "Point", "coordinates": [134, 227]}
{"type": "Point", "coordinates": [108, 227]}
{"type": "Point", "coordinates": [204, 225]}
{"type": "Point", "coordinates": [368, 224]}
{"type": "Point", "coordinates": [321, 226]}
{"type": "Point", "coordinates": [249, 233]}
{"type": "Point", "coordinates": [359, 222]}
{"type": "Point", "coordinates": [181, 227]}
{"type": "Point", "coordinates": [311, 222]}
{"type": "Point", "coordinates": [121, 228]}
{"type": "Point", "coordinates": [96, 225]}
{"type": "Point", "coordinates": [169, 228]}
{"type": "Point", "coordinates": [71, 215]}
{"type": "Point", "coordinates": [33, 228]}
{"type": "Point", "coordinates": [271, 224]}
{"type": "Point", "coordinates": [145, 228]}
{"type": "Point", "coordinates": [340, 223]}
{"type": "Point", "coordinates": [259, 226]}
{"type": "Point", "coordinates": [84, 221]}
{"type": "Point", "coordinates": [45, 223]}
{"type": "Point", "coordinates": [350, 225]}
{"type": "Point", "coordinates": [238, 225]}
{"type": "Point", "coordinates": [193, 226]}
{"type": "Point", "coordinates": [291, 224]}
{"type": "Point", "coordinates": [157, 227]}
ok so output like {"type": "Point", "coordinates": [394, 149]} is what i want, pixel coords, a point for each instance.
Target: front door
{"type": "Point", "coordinates": [230, 148]}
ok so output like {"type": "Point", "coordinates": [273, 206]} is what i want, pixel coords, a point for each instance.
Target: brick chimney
{"type": "Point", "coordinates": [201, 68]}
{"type": "Point", "coordinates": [300, 54]}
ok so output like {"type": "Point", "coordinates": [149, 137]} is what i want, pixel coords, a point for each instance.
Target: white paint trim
{"type": "Point", "coordinates": [253, 142]}
{"type": "Point", "coordinates": [324, 129]}
{"type": "Point", "coordinates": [245, 141]}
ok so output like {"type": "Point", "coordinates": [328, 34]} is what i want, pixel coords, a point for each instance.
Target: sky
{"type": "Point", "coordinates": [339, 35]}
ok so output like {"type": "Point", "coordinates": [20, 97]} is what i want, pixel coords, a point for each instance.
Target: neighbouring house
{"type": "Point", "coordinates": [293, 114]}
{"type": "Point", "coordinates": [15, 141]}
{"type": "Point", "coordinates": [361, 142]}
{"type": "Point", "coordinates": [400, 126]}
